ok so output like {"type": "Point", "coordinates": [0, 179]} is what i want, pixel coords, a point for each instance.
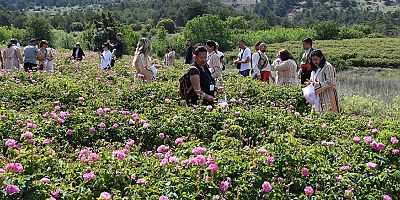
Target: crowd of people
{"type": "Point", "coordinates": [207, 65]}
{"type": "Point", "coordinates": [315, 73]}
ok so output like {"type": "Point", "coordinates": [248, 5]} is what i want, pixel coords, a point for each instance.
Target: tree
{"type": "Point", "coordinates": [326, 30]}
{"type": "Point", "coordinates": [237, 23]}
{"type": "Point", "coordinates": [39, 27]}
{"type": "Point", "coordinates": [76, 26]}
{"type": "Point", "coordinates": [207, 27]}
{"type": "Point", "coordinates": [168, 24]}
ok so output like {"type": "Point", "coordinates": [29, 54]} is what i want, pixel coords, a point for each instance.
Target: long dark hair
{"type": "Point", "coordinates": [320, 55]}
{"type": "Point", "coordinates": [12, 42]}
{"type": "Point", "coordinates": [211, 43]}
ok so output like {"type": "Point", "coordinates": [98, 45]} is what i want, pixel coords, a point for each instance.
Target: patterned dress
{"type": "Point", "coordinates": [324, 82]}
{"type": "Point", "coordinates": [11, 58]}
{"type": "Point", "coordinates": [286, 72]}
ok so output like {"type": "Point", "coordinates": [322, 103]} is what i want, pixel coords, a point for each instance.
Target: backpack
{"type": "Point", "coordinates": [185, 86]}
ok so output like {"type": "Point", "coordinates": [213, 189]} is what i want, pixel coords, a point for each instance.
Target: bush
{"type": "Point", "coordinates": [207, 27]}
{"type": "Point", "coordinates": [326, 30]}
{"type": "Point", "coordinates": [168, 24]}
{"type": "Point", "coordinates": [62, 39]}
{"type": "Point", "coordinates": [346, 32]}
{"type": "Point", "coordinates": [39, 27]}
{"type": "Point", "coordinates": [76, 26]}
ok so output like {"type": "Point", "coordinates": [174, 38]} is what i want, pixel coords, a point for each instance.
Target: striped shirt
{"type": "Point", "coordinates": [324, 82]}
{"type": "Point", "coordinates": [286, 72]}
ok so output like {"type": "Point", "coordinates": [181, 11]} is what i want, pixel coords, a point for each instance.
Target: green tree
{"type": "Point", "coordinates": [76, 26]}
{"type": "Point", "coordinates": [207, 27]}
{"type": "Point", "coordinates": [238, 22]}
{"type": "Point", "coordinates": [168, 24]}
{"type": "Point", "coordinates": [39, 27]}
{"type": "Point", "coordinates": [326, 30]}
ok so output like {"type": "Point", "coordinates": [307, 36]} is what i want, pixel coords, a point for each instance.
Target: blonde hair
{"type": "Point", "coordinates": [144, 47]}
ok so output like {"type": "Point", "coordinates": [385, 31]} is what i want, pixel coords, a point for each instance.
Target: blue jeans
{"type": "Point", "coordinates": [245, 73]}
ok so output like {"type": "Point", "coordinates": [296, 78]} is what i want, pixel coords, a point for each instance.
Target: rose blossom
{"type": "Point", "coordinates": [266, 186]}
{"type": "Point", "coordinates": [69, 132]}
{"type": "Point", "coordinates": [179, 141]}
{"type": "Point", "coordinates": [395, 151]}
{"type": "Point", "coordinates": [213, 167]}
{"type": "Point", "coordinates": [345, 168]}
{"type": "Point", "coordinates": [11, 143]}
{"type": "Point", "coordinates": [372, 165]}
{"type": "Point", "coordinates": [262, 151]}
{"type": "Point", "coordinates": [163, 198]}
{"type": "Point", "coordinates": [270, 159]}
{"type": "Point", "coordinates": [394, 140]}
{"type": "Point", "coordinates": [27, 135]}
{"type": "Point", "coordinates": [55, 193]}
{"type": "Point", "coordinates": [368, 139]}
{"type": "Point", "coordinates": [387, 197]}
{"type": "Point", "coordinates": [374, 130]}
{"type": "Point", "coordinates": [198, 150]}
{"type": "Point", "coordinates": [12, 189]}
{"type": "Point", "coordinates": [16, 167]}
{"type": "Point", "coordinates": [88, 176]}
{"type": "Point", "coordinates": [105, 196]}
{"type": "Point", "coordinates": [81, 99]}
{"type": "Point", "coordinates": [305, 171]}
{"type": "Point", "coordinates": [324, 126]}
{"type": "Point", "coordinates": [161, 135]}
{"type": "Point", "coordinates": [224, 186]}
{"type": "Point", "coordinates": [141, 181]}
{"type": "Point", "coordinates": [309, 190]}
{"type": "Point", "coordinates": [92, 129]}
{"type": "Point", "coordinates": [357, 139]}
{"type": "Point", "coordinates": [45, 180]}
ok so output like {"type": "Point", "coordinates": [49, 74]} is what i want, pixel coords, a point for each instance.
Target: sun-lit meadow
{"type": "Point", "coordinates": [85, 133]}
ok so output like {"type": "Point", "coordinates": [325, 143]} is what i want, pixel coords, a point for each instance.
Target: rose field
{"type": "Point", "coordinates": [86, 133]}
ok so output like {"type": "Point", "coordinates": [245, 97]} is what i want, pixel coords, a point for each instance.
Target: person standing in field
{"type": "Point", "coordinates": [323, 79]}
{"type": "Point", "coordinates": [286, 68]}
{"type": "Point", "coordinates": [142, 61]}
{"type": "Point", "coordinates": [118, 46]}
{"type": "Point", "coordinates": [189, 52]}
{"type": "Point", "coordinates": [45, 56]}
{"type": "Point", "coordinates": [220, 56]}
{"type": "Point", "coordinates": [213, 60]}
{"type": "Point", "coordinates": [304, 73]}
{"type": "Point", "coordinates": [105, 56]}
{"type": "Point", "coordinates": [244, 59]}
{"type": "Point", "coordinates": [77, 52]}
{"type": "Point", "coordinates": [169, 58]}
{"type": "Point", "coordinates": [261, 66]}
{"type": "Point", "coordinates": [30, 53]}
{"type": "Point", "coordinates": [12, 56]}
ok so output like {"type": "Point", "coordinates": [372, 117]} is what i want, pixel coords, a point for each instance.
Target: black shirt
{"type": "Point", "coordinates": [206, 80]}
{"type": "Point", "coordinates": [119, 47]}
{"type": "Point", "coordinates": [189, 55]}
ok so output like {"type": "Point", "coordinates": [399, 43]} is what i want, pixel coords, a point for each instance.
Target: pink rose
{"type": "Point", "coordinates": [162, 148]}
{"type": "Point", "coordinates": [267, 187]}
{"type": "Point", "coordinates": [55, 193]}
{"type": "Point", "coordinates": [92, 129]}
{"type": "Point", "coordinates": [146, 125]}
{"type": "Point", "coordinates": [198, 150]}
{"type": "Point", "coordinates": [120, 154]}
{"type": "Point", "coordinates": [305, 171]}
{"type": "Point", "coordinates": [179, 141]}
{"type": "Point", "coordinates": [100, 111]}
{"type": "Point", "coordinates": [20, 121]}
{"type": "Point", "coordinates": [262, 151]}
{"type": "Point", "coordinates": [213, 167]}
{"type": "Point", "coordinates": [387, 197]}
{"type": "Point", "coordinates": [161, 135]}
{"type": "Point", "coordinates": [69, 132]}
{"type": "Point", "coordinates": [57, 108]}
{"type": "Point", "coordinates": [88, 176]}
{"type": "Point", "coordinates": [11, 143]}
{"type": "Point", "coordinates": [224, 186]}
{"type": "Point", "coordinates": [357, 139]}
{"type": "Point", "coordinates": [164, 162]}
{"type": "Point", "coordinates": [394, 140]}
{"type": "Point", "coordinates": [324, 126]}
{"type": "Point", "coordinates": [345, 168]}
{"type": "Point", "coordinates": [368, 139]}
{"type": "Point", "coordinates": [163, 198]}
{"type": "Point", "coordinates": [200, 159]}
{"type": "Point", "coordinates": [46, 141]}
{"type": "Point", "coordinates": [141, 181]}
{"type": "Point", "coordinates": [27, 135]}
{"type": "Point", "coordinates": [209, 108]}
{"type": "Point", "coordinates": [16, 167]}
{"type": "Point", "coordinates": [115, 126]}
{"type": "Point", "coordinates": [135, 116]}
{"type": "Point", "coordinates": [372, 165]}
{"type": "Point", "coordinates": [81, 99]}
{"type": "Point", "coordinates": [374, 130]}
{"type": "Point", "coordinates": [173, 159]}
{"type": "Point", "coordinates": [184, 163]}
{"type": "Point", "coordinates": [105, 196]}
{"type": "Point", "coordinates": [102, 125]}
{"type": "Point", "coordinates": [45, 180]}
{"type": "Point", "coordinates": [167, 101]}
{"type": "Point", "coordinates": [369, 125]}
{"type": "Point", "coordinates": [309, 190]}
{"type": "Point", "coordinates": [395, 151]}
{"type": "Point", "coordinates": [270, 159]}
{"type": "Point", "coordinates": [133, 177]}
{"type": "Point", "coordinates": [12, 189]}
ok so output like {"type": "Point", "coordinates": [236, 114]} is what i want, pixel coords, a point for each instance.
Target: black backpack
{"type": "Point", "coordinates": [185, 86]}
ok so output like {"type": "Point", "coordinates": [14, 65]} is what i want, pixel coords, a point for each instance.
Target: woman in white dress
{"type": "Point", "coordinates": [142, 61]}
{"type": "Point", "coordinates": [12, 56]}
{"type": "Point", "coordinates": [169, 58]}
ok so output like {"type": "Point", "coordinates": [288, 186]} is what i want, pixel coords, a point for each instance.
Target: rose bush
{"type": "Point", "coordinates": [94, 134]}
